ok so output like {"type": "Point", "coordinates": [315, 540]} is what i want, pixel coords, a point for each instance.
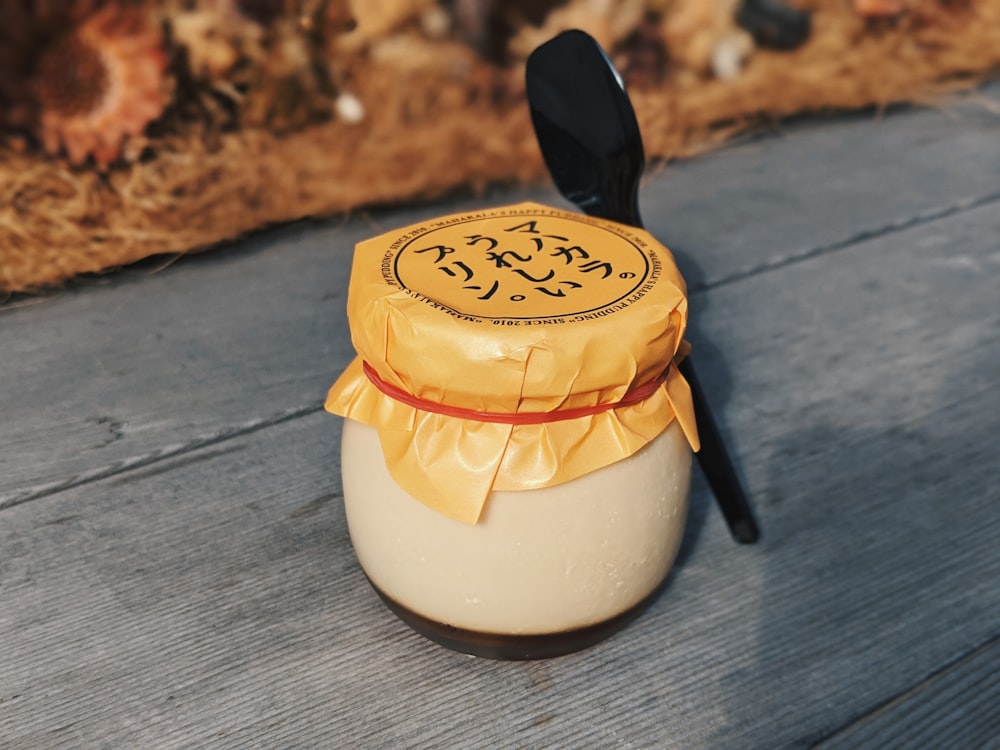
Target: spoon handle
{"type": "Point", "coordinates": [718, 467]}
{"type": "Point", "coordinates": [714, 459]}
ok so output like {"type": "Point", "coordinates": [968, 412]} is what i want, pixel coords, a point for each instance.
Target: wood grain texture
{"type": "Point", "coordinates": [856, 389]}
{"type": "Point", "coordinates": [212, 600]}
{"type": "Point", "coordinates": [215, 602]}
{"type": "Point", "coordinates": [106, 377]}
{"type": "Point", "coordinates": [958, 707]}
{"type": "Point", "coordinates": [807, 190]}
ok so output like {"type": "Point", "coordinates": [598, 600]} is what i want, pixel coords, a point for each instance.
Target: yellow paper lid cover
{"type": "Point", "coordinates": [519, 310]}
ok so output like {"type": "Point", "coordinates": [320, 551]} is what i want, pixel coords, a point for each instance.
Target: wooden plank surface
{"type": "Point", "coordinates": [806, 190]}
{"type": "Point", "coordinates": [105, 377]}
{"type": "Point", "coordinates": [189, 582]}
{"type": "Point", "coordinates": [214, 600]}
{"type": "Point", "coordinates": [861, 412]}
{"type": "Point", "coordinates": [958, 707]}
{"type": "Point", "coordinates": [265, 318]}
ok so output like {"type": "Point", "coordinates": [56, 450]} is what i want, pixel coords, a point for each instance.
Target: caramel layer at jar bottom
{"type": "Point", "coordinates": [514, 647]}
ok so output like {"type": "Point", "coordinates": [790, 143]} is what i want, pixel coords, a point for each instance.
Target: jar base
{"type": "Point", "coordinates": [510, 647]}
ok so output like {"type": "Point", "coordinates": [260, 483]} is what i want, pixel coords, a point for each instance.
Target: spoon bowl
{"type": "Point", "coordinates": [597, 163]}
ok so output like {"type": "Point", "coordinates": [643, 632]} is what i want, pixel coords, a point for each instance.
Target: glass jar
{"type": "Point", "coordinates": [517, 451]}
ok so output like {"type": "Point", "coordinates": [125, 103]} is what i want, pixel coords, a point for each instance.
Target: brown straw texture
{"type": "Point", "coordinates": [428, 130]}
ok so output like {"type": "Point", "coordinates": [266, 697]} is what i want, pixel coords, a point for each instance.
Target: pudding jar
{"type": "Point", "coordinates": [516, 452]}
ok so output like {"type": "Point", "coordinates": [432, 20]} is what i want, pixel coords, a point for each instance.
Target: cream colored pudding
{"type": "Point", "coordinates": [517, 438]}
{"type": "Point", "coordinates": [539, 561]}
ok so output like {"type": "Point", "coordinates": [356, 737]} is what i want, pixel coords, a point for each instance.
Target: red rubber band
{"type": "Point", "coordinates": [634, 396]}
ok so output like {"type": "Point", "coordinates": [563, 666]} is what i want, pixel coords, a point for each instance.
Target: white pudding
{"type": "Point", "coordinates": [539, 561]}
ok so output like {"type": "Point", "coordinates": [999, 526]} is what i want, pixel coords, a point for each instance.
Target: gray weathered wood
{"type": "Point", "coordinates": [769, 202]}
{"type": "Point", "coordinates": [212, 600]}
{"type": "Point", "coordinates": [958, 707]}
{"type": "Point", "coordinates": [102, 378]}
{"type": "Point", "coordinates": [862, 400]}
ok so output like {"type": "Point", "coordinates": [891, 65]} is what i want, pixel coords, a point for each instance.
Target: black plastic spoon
{"type": "Point", "coordinates": [592, 146]}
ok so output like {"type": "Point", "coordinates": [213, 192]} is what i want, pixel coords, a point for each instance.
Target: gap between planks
{"type": "Point", "coordinates": [900, 225]}
{"type": "Point", "coordinates": [883, 725]}
{"type": "Point", "coordinates": [156, 457]}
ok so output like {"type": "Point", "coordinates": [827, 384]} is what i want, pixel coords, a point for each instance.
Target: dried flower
{"type": "Point", "coordinates": [98, 84]}
{"type": "Point", "coordinates": [879, 8]}
{"type": "Point", "coordinates": [211, 52]}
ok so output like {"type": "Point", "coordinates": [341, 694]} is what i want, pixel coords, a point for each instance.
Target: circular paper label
{"type": "Point", "coordinates": [522, 265]}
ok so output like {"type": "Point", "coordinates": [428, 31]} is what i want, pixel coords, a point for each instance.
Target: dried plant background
{"type": "Point", "coordinates": [132, 128]}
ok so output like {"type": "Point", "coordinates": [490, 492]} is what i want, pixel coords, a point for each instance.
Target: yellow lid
{"type": "Point", "coordinates": [568, 323]}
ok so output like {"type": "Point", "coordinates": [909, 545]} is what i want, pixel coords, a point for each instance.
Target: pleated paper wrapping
{"type": "Point", "coordinates": [526, 311]}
